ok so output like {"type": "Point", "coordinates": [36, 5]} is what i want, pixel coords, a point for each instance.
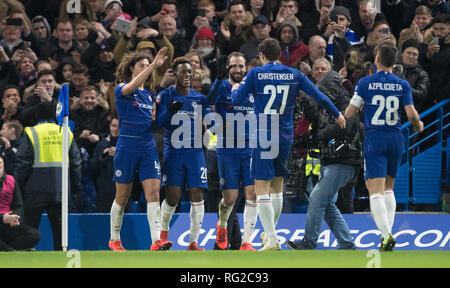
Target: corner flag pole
{"type": "Point", "coordinates": [62, 116]}
{"type": "Point", "coordinates": [65, 184]}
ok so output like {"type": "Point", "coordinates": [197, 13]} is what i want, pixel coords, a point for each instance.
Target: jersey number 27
{"type": "Point", "coordinates": [273, 91]}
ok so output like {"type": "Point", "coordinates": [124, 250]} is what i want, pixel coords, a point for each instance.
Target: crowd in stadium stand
{"type": "Point", "coordinates": [45, 44]}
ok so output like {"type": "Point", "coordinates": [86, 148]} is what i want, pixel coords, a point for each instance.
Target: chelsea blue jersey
{"type": "Point", "coordinates": [383, 94]}
{"type": "Point", "coordinates": [183, 130]}
{"type": "Point", "coordinates": [135, 119]}
{"type": "Point", "coordinates": [225, 107]}
{"type": "Point", "coordinates": [275, 88]}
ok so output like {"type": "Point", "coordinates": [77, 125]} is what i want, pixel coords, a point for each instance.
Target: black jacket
{"type": "Point", "coordinates": [330, 85]}
{"type": "Point", "coordinates": [420, 84]}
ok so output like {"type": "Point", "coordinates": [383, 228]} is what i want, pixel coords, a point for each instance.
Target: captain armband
{"type": "Point", "coordinates": [356, 101]}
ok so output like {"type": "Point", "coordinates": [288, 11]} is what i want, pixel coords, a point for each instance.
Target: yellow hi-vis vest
{"type": "Point", "coordinates": [312, 164]}
{"type": "Point", "coordinates": [46, 139]}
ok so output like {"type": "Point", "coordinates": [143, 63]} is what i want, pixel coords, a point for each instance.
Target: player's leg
{"type": "Point", "coordinates": [197, 213]}
{"type": "Point", "coordinates": [276, 194]}
{"type": "Point", "coordinates": [168, 207]}
{"type": "Point", "coordinates": [266, 213]}
{"type": "Point", "coordinates": [250, 216]}
{"type": "Point", "coordinates": [197, 181]}
{"type": "Point", "coordinates": [172, 181]}
{"type": "Point", "coordinates": [389, 200]}
{"type": "Point", "coordinates": [375, 171]}
{"type": "Point", "coordinates": [123, 191]}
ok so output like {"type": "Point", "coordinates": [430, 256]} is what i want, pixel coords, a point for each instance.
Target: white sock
{"type": "Point", "coordinates": [266, 215]}
{"type": "Point", "coordinates": [197, 212]}
{"type": "Point", "coordinates": [391, 205]}
{"type": "Point", "coordinates": [154, 219]}
{"type": "Point", "coordinates": [116, 218]}
{"type": "Point", "coordinates": [224, 213]}
{"type": "Point", "coordinates": [166, 215]}
{"type": "Point", "coordinates": [250, 218]}
{"type": "Point", "coordinates": [277, 204]}
{"type": "Point", "coordinates": [379, 213]}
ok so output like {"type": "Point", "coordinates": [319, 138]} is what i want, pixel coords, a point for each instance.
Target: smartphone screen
{"type": "Point", "coordinates": [201, 12]}
{"type": "Point", "coordinates": [385, 31]}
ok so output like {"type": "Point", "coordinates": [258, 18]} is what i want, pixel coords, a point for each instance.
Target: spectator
{"type": "Point", "coordinates": [83, 32]}
{"type": "Point", "coordinates": [287, 12]}
{"type": "Point", "coordinates": [17, 36]}
{"type": "Point", "coordinates": [9, 141]}
{"type": "Point", "coordinates": [11, 105]}
{"type": "Point", "coordinates": [320, 67]}
{"type": "Point", "coordinates": [167, 26]}
{"type": "Point", "coordinates": [336, 34]}
{"type": "Point", "coordinates": [63, 45]}
{"type": "Point", "coordinates": [364, 23]}
{"type": "Point", "coordinates": [418, 27]}
{"type": "Point", "coordinates": [206, 46]}
{"type": "Point", "coordinates": [414, 74]}
{"type": "Point", "coordinates": [90, 119]}
{"type": "Point", "coordinates": [38, 172]}
{"type": "Point", "coordinates": [351, 72]}
{"type": "Point", "coordinates": [13, 234]}
{"type": "Point", "coordinates": [40, 65]}
{"type": "Point", "coordinates": [102, 165]}
{"type": "Point", "coordinates": [41, 30]}
{"type": "Point", "coordinates": [235, 29]}
{"type": "Point", "coordinates": [99, 56]}
{"type": "Point", "coordinates": [210, 19]}
{"type": "Point", "coordinates": [145, 38]}
{"type": "Point", "coordinates": [170, 7]}
{"type": "Point", "coordinates": [80, 80]}
{"type": "Point", "coordinates": [26, 73]}
{"type": "Point", "coordinates": [293, 49]}
{"type": "Point", "coordinates": [261, 30]}
{"type": "Point", "coordinates": [316, 20]}
{"type": "Point", "coordinates": [45, 89]}
{"type": "Point", "coordinates": [86, 11]}
{"type": "Point", "coordinates": [317, 49]}
{"type": "Point", "coordinates": [437, 8]}
{"type": "Point", "coordinates": [381, 32]}
{"type": "Point", "coordinates": [64, 71]}
{"type": "Point", "coordinates": [260, 7]}
{"type": "Point", "coordinates": [436, 59]}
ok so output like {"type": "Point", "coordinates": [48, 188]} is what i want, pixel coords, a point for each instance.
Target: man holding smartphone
{"type": "Point", "coordinates": [436, 59]}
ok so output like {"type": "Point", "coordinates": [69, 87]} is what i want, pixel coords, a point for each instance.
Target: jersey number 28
{"type": "Point", "coordinates": [391, 105]}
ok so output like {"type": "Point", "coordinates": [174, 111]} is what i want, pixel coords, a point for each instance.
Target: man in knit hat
{"type": "Point", "coordinates": [292, 48]}
{"type": "Point", "coordinates": [414, 73]}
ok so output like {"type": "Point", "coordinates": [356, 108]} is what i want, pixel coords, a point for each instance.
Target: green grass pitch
{"type": "Point", "coordinates": [227, 259]}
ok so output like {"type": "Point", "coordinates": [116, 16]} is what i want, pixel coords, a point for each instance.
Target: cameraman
{"type": "Point", "coordinates": [340, 159]}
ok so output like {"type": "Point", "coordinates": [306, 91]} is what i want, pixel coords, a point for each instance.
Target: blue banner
{"type": "Point", "coordinates": [412, 232]}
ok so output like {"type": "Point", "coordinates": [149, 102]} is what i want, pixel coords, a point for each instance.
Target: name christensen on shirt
{"type": "Point", "coordinates": [275, 76]}
{"type": "Point", "coordinates": [385, 86]}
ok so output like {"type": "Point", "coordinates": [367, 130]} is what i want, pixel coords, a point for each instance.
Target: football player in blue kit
{"type": "Point", "coordinates": [184, 160]}
{"type": "Point", "coordinates": [234, 161]}
{"type": "Point", "coordinates": [136, 147]}
{"type": "Point", "coordinates": [275, 88]}
{"type": "Point", "coordinates": [383, 94]}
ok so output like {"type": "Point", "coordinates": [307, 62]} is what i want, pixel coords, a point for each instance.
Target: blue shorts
{"type": "Point", "coordinates": [182, 169]}
{"type": "Point", "coordinates": [234, 168]}
{"type": "Point", "coordinates": [127, 163]}
{"type": "Point", "coordinates": [382, 154]}
{"type": "Point", "coordinates": [267, 169]}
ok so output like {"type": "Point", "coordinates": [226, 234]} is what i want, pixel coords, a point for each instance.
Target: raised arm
{"type": "Point", "coordinates": [140, 79]}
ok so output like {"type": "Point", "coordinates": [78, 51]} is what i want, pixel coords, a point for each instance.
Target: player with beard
{"type": "Point", "coordinates": [184, 161]}
{"type": "Point", "coordinates": [233, 162]}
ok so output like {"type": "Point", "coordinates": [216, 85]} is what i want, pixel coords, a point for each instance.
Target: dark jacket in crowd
{"type": "Point", "coordinates": [95, 121]}
{"type": "Point", "coordinates": [438, 68]}
{"type": "Point", "coordinates": [420, 84]}
{"type": "Point", "coordinates": [102, 167]}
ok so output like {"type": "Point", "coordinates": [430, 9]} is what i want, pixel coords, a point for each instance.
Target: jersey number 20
{"type": "Point", "coordinates": [273, 91]}
{"type": "Point", "coordinates": [391, 104]}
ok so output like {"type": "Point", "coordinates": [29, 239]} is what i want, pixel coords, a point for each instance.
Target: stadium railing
{"type": "Point", "coordinates": [423, 173]}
